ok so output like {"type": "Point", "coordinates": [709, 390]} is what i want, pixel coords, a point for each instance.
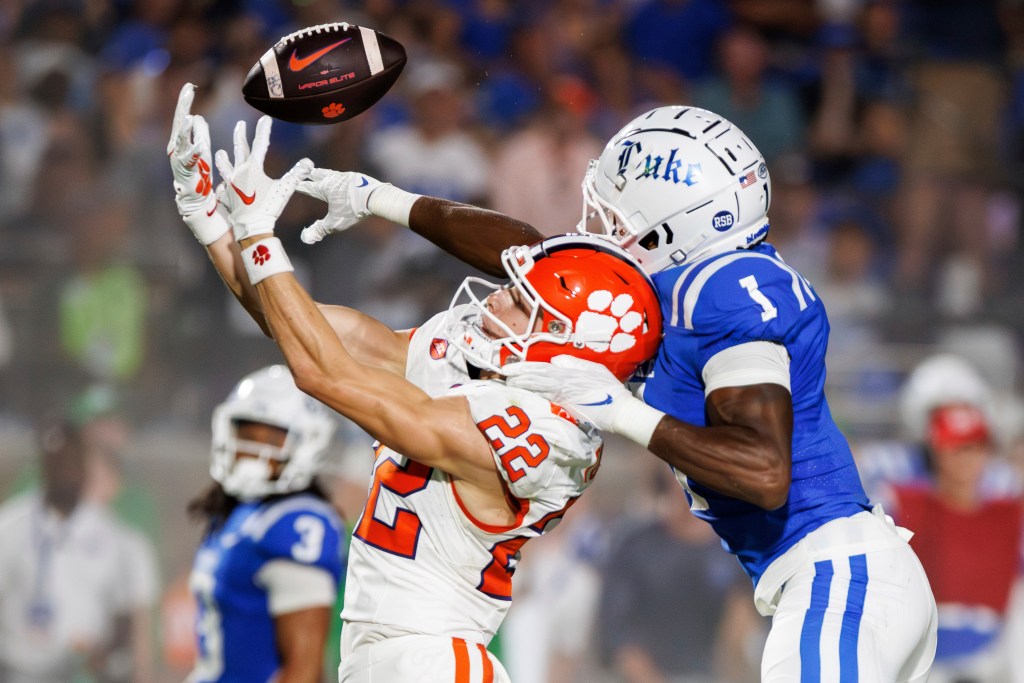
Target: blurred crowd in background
{"type": "Point", "coordinates": [893, 131]}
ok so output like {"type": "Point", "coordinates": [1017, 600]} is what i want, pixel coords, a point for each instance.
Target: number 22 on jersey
{"type": "Point", "coordinates": [399, 537]}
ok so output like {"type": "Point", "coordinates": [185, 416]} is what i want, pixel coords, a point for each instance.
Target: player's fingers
{"type": "Point", "coordinates": [318, 174]}
{"type": "Point", "coordinates": [524, 369]}
{"type": "Point", "coordinates": [183, 140]}
{"type": "Point", "coordinates": [572, 362]}
{"type": "Point", "coordinates": [227, 171]}
{"type": "Point", "coordinates": [313, 233]}
{"type": "Point", "coordinates": [261, 140]}
{"type": "Point", "coordinates": [241, 143]}
{"type": "Point", "coordinates": [297, 173]}
{"type": "Point", "coordinates": [201, 134]}
{"type": "Point", "coordinates": [310, 189]}
{"type": "Point", "coordinates": [181, 110]}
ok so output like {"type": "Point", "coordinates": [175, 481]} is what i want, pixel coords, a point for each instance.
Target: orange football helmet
{"type": "Point", "coordinates": [585, 297]}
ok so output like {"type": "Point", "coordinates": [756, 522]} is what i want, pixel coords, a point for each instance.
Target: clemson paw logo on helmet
{"type": "Point", "coordinates": [260, 255]}
{"type": "Point", "coordinates": [611, 318]}
{"type": "Point", "coordinates": [333, 110]}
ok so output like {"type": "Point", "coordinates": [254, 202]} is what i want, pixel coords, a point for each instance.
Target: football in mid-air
{"type": "Point", "coordinates": [324, 74]}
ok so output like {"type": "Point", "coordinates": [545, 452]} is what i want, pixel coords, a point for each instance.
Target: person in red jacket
{"type": "Point", "coordinates": [969, 545]}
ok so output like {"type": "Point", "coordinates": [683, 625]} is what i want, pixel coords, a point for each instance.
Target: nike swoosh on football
{"type": "Point", "coordinates": [246, 199]}
{"type": "Point", "coordinates": [607, 400]}
{"type": "Point", "coordinates": [295, 63]}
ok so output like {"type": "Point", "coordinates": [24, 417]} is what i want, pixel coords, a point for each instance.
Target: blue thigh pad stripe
{"type": "Point", "coordinates": [848, 637]}
{"type": "Point", "coordinates": [810, 635]}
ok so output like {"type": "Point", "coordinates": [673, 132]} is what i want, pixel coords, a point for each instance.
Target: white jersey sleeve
{"type": "Point", "coordinates": [544, 456]}
{"type": "Point", "coordinates": [432, 362]}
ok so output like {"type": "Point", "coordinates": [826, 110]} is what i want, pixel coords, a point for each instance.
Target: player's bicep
{"type": "Point", "coordinates": [767, 409]}
{"type": "Point", "coordinates": [367, 339]}
{"type": "Point", "coordinates": [452, 441]}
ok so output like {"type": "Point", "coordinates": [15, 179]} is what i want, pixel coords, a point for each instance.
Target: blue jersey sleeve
{"type": "Point", "coordinates": [303, 529]}
{"type": "Point", "coordinates": [739, 300]}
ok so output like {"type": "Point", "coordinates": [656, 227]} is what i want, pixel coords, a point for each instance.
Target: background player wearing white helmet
{"type": "Point", "coordinates": [467, 469]}
{"type": "Point", "coordinates": [266, 574]}
{"type": "Point", "coordinates": [939, 381]}
{"type": "Point", "coordinates": [734, 402]}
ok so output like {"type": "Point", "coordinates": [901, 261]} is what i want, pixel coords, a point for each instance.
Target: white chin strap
{"type": "Point", "coordinates": [248, 478]}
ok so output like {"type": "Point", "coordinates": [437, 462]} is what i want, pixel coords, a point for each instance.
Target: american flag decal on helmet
{"type": "Point", "coordinates": [747, 179]}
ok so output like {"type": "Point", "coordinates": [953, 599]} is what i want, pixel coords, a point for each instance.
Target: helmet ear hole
{"type": "Point", "coordinates": [652, 240]}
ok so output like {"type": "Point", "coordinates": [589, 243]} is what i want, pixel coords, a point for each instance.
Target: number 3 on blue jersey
{"type": "Point", "coordinates": [311, 539]}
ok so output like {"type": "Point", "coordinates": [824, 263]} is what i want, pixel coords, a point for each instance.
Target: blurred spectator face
{"type": "Point", "coordinates": [744, 56]}
{"type": "Point", "coordinates": [880, 25]}
{"type": "Point", "coordinates": [959, 438]}
{"type": "Point", "coordinates": [851, 252]}
{"type": "Point", "coordinates": [436, 99]}
{"type": "Point", "coordinates": [884, 130]}
{"type": "Point", "coordinates": [63, 468]}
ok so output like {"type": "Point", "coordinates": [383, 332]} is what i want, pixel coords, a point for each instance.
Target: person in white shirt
{"type": "Point", "coordinates": [65, 598]}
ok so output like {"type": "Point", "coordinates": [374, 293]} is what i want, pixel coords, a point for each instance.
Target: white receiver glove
{"type": "Point", "coordinates": [254, 199]}
{"type": "Point", "coordinates": [591, 392]}
{"type": "Point", "coordinates": [189, 152]}
{"type": "Point", "coordinates": [346, 193]}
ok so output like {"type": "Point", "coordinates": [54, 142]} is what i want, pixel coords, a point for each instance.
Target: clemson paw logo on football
{"type": "Point", "coordinates": [260, 255]}
{"type": "Point", "coordinates": [612, 318]}
{"type": "Point", "coordinates": [333, 110]}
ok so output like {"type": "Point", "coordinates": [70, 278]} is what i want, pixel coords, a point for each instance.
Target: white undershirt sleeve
{"type": "Point", "coordinates": [757, 362]}
{"type": "Point", "coordinates": [292, 586]}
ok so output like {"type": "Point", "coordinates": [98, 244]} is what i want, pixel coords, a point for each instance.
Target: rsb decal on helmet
{"type": "Point", "coordinates": [722, 221]}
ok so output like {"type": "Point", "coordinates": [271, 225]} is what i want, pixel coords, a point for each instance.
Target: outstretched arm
{"type": "Point", "coordinates": [744, 452]}
{"type": "Point", "coordinates": [474, 235]}
{"type": "Point", "coordinates": [190, 156]}
{"type": "Point", "coordinates": [436, 432]}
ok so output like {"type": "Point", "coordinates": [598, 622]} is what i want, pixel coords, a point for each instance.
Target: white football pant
{"type": "Point", "coordinates": [857, 609]}
{"type": "Point", "coordinates": [421, 659]}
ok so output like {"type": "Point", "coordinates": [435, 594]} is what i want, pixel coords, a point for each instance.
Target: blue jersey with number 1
{"type": "Point", "coordinates": [234, 625]}
{"type": "Point", "coordinates": [744, 296]}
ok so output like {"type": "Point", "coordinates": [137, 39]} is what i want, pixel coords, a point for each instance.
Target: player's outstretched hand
{"type": "Point", "coordinates": [587, 389]}
{"type": "Point", "coordinates": [191, 164]}
{"type": "Point", "coordinates": [346, 194]}
{"type": "Point", "coordinates": [255, 200]}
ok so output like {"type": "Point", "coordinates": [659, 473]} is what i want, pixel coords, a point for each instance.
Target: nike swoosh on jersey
{"type": "Point", "coordinates": [214, 209]}
{"type": "Point", "coordinates": [296, 63]}
{"type": "Point", "coordinates": [246, 198]}
{"type": "Point", "coordinates": [607, 401]}
{"type": "Point", "coordinates": [364, 183]}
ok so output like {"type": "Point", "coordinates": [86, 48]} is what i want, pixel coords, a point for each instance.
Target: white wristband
{"type": "Point", "coordinates": [637, 421]}
{"type": "Point", "coordinates": [265, 258]}
{"type": "Point", "coordinates": [392, 203]}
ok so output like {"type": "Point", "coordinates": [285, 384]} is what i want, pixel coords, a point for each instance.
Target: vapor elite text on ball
{"type": "Point", "coordinates": [324, 74]}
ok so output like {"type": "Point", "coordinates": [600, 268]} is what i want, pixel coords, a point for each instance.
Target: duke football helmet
{"type": "Point", "coordinates": [269, 396]}
{"type": "Point", "coordinates": [584, 297]}
{"type": "Point", "coordinates": [675, 185]}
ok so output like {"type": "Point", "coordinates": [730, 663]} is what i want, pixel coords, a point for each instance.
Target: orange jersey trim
{"type": "Point", "coordinates": [521, 507]}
